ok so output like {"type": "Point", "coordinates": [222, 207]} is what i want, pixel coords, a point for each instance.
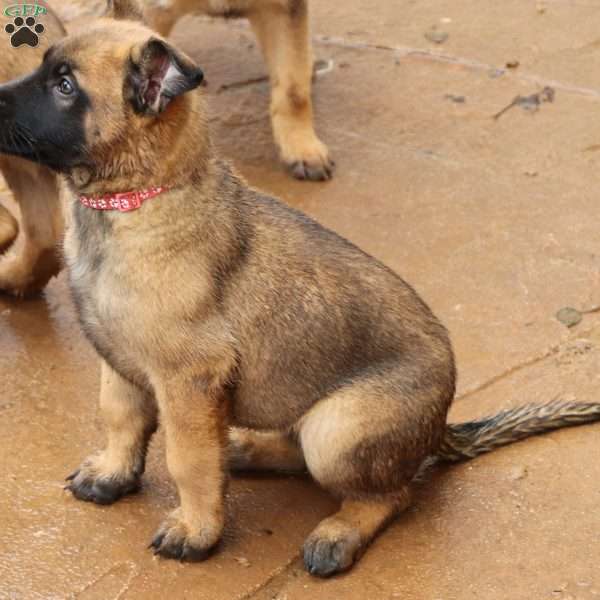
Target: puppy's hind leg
{"type": "Point", "coordinates": [131, 418]}
{"type": "Point", "coordinates": [365, 443]}
{"type": "Point", "coordinates": [282, 30]}
{"type": "Point", "coordinates": [251, 450]}
{"type": "Point", "coordinates": [34, 256]}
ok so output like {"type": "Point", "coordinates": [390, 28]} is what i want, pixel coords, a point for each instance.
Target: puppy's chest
{"type": "Point", "coordinates": [115, 317]}
{"type": "Point", "coordinates": [126, 302]}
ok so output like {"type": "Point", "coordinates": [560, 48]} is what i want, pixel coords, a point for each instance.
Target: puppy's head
{"type": "Point", "coordinates": [106, 98]}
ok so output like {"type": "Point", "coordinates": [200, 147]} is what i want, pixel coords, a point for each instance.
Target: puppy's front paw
{"type": "Point", "coordinates": [305, 155]}
{"type": "Point", "coordinates": [175, 539]}
{"type": "Point", "coordinates": [92, 483]}
{"type": "Point", "coordinates": [310, 160]}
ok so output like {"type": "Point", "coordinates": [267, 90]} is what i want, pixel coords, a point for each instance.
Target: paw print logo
{"type": "Point", "coordinates": [24, 31]}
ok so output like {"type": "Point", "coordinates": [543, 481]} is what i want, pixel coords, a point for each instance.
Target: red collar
{"type": "Point", "coordinates": [124, 201]}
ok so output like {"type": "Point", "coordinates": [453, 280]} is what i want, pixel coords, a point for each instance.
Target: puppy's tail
{"type": "Point", "coordinates": [463, 441]}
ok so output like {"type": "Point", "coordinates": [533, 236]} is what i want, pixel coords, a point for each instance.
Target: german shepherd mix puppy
{"type": "Point", "coordinates": [282, 30]}
{"type": "Point", "coordinates": [214, 306]}
{"type": "Point", "coordinates": [31, 255]}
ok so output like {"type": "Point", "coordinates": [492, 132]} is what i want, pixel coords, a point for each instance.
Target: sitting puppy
{"type": "Point", "coordinates": [282, 29]}
{"type": "Point", "coordinates": [30, 254]}
{"type": "Point", "coordinates": [213, 305]}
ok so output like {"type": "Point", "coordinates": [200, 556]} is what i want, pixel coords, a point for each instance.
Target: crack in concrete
{"type": "Point", "coordinates": [276, 582]}
{"type": "Point", "coordinates": [552, 351]}
{"type": "Point", "coordinates": [507, 373]}
{"type": "Point", "coordinates": [122, 584]}
{"type": "Point", "coordinates": [408, 149]}
{"type": "Point", "coordinates": [243, 83]}
{"type": "Point", "coordinates": [437, 57]}
{"type": "Point", "coordinates": [441, 57]}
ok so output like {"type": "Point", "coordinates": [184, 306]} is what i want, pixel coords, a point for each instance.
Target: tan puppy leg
{"type": "Point", "coordinates": [131, 418]}
{"type": "Point", "coordinates": [195, 436]}
{"type": "Point", "coordinates": [283, 34]}
{"type": "Point", "coordinates": [264, 451]}
{"type": "Point", "coordinates": [8, 228]}
{"type": "Point", "coordinates": [162, 15]}
{"type": "Point", "coordinates": [34, 256]}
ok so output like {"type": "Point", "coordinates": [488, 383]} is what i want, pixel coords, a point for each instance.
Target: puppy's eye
{"type": "Point", "coordinates": [65, 87]}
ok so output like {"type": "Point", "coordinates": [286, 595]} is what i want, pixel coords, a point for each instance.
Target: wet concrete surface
{"type": "Point", "coordinates": [494, 221]}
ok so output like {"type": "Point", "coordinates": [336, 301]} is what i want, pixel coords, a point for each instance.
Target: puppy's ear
{"type": "Point", "coordinates": [158, 73]}
{"type": "Point", "coordinates": [130, 10]}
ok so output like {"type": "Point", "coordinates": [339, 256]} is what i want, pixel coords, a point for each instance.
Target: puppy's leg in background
{"type": "Point", "coordinates": [283, 34]}
{"type": "Point", "coordinates": [9, 228]}
{"type": "Point", "coordinates": [34, 256]}
{"type": "Point", "coordinates": [162, 15]}
{"type": "Point", "coordinates": [195, 433]}
{"type": "Point", "coordinates": [131, 418]}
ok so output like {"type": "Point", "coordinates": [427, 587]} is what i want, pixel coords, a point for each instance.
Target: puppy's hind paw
{"type": "Point", "coordinates": [326, 555]}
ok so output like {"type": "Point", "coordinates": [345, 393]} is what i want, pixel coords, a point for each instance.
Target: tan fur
{"type": "Point", "coordinates": [33, 256]}
{"type": "Point", "coordinates": [9, 228]}
{"type": "Point", "coordinates": [282, 29]}
{"type": "Point", "coordinates": [264, 451]}
{"type": "Point", "coordinates": [340, 539]}
{"type": "Point", "coordinates": [219, 308]}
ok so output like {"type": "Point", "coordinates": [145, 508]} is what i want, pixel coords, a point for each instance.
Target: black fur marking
{"type": "Point", "coordinates": [225, 271]}
{"type": "Point", "coordinates": [39, 123]}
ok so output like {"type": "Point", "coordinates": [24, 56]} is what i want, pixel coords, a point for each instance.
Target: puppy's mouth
{"type": "Point", "coordinates": [18, 141]}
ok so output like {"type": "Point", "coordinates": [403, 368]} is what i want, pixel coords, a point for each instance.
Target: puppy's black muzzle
{"type": "Point", "coordinates": [15, 136]}
{"type": "Point", "coordinates": [35, 126]}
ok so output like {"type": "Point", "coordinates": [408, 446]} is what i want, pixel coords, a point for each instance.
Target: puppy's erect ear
{"type": "Point", "coordinates": [159, 73]}
{"type": "Point", "coordinates": [130, 10]}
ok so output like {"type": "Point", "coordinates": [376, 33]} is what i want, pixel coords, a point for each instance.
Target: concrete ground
{"type": "Point", "coordinates": [494, 221]}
